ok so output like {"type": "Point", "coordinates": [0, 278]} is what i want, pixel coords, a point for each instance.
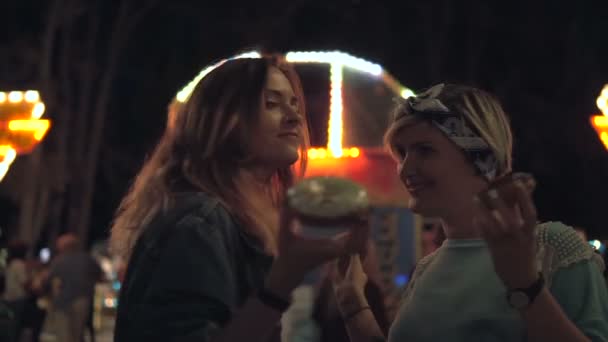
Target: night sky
{"type": "Point", "coordinates": [546, 60]}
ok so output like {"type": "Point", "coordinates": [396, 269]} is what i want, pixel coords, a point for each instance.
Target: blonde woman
{"type": "Point", "coordinates": [499, 276]}
{"type": "Point", "coordinates": [209, 256]}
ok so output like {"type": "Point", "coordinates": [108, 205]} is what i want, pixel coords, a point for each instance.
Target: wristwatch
{"type": "Point", "coordinates": [521, 298]}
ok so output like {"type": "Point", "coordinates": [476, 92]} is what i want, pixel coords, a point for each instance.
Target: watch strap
{"type": "Point", "coordinates": [531, 291]}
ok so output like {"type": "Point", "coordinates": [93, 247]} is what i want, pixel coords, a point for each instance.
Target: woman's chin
{"type": "Point", "coordinates": [418, 207]}
{"type": "Point", "coordinates": [414, 205]}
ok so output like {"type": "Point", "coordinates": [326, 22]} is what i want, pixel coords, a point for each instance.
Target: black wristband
{"type": "Point", "coordinates": [272, 300]}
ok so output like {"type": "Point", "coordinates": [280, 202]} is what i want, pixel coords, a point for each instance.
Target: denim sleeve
{"type": "Point", "coordinates": [192, 288]}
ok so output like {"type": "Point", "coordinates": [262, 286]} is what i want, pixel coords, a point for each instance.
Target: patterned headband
{"type": "Point", "coordinates": [427, 106]}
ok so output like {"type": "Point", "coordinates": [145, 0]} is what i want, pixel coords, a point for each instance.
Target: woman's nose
{"type": "Point", "coordinates": [406, 167]}
{"type": "Point", "coordinates": [292, 115]}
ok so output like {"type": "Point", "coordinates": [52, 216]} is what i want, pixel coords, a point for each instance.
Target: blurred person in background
{"type": "Point", "coordinates": [16, 281]}
{"type": "Point", "coordinates": [71, 279]}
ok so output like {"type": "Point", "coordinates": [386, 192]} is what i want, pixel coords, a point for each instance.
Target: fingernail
{"type": "Point", "coordinates": [493, 194]}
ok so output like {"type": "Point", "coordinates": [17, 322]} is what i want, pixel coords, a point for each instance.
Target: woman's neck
{"type": "Point", "coordinates": [460, 225]}
{"type": "Point", "coordinates": [255, 177]}
{"type": "Point", "coordinates": [256, 188]}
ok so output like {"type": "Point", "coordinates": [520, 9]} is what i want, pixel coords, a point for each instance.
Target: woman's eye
{"type": "Point", "coordinates": [425, 150]}
{"type": "Point", "coordinates": [400, 152]}
{"type": "Point", "coordinates": [271, 104]}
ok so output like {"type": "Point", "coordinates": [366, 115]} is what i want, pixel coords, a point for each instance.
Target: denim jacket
{"type": "Point", "coordinates": [191, 269]}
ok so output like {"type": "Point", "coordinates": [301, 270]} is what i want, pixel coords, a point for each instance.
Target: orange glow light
{"type": "Point", "coordinates": [322, 153]}
{"type": "Point", "coordinates": [20, 126]}
{"type": "Point", "coordinates": [37, 127]}
{"type": "Point", "coordinates": [600, 122]}
{"type": "Point", "coordinates": [7, 156]}
{"type": "Point", "coordinates": [604, 138]}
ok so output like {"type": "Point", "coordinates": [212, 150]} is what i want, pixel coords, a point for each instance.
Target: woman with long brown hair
{"type": "Point", "coordinates": [211, 254]}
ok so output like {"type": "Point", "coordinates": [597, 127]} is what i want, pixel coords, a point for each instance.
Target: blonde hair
{"type": "Point", "coordinates": [203, 148]}
{"type": "Point", "coordinates": [482, 112]}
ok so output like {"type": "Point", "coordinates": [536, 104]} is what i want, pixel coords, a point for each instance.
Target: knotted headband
{"type": "Point", "coordinates": [426, 106]}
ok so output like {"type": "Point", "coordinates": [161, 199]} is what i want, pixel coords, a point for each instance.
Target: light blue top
{"type": "Point", "coordinates": [457, 296]}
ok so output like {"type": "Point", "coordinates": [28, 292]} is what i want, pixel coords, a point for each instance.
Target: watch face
{"type": "Point", "coordinates": [519, 300]}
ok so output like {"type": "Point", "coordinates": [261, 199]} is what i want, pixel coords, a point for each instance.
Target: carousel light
{"type": "Point", "coordinates": [15, 96]}
{"type": "Point", "coordinates": [333, 57]}
{"type": "Point", "coordinates": [38, 110]}
{"type": "Point", "coordinates": [602, 101]}
{"type": "Point", "coordinates": [37, 127]}
{"type": "Point", "coordinates": [337, 61]}
{"type": "Point", "coordinates": [184, 94]}
{"type": "Point", "coordinates": [334, 137]}
{"type": "Point", "coordinates": [32, 96]}
{"type": "Point", "coordinates": [405, 93]}
{"type": "Point", "coordinates": [7, 156]}
{"type": "Point", "coordinates": [600, 122]}
{"type": "Point", "coordinates": [21, 128]}
{"type": "Point", "coordinates": [323, 153]}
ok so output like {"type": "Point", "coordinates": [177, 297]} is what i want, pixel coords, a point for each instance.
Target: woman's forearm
{"type": "Point", "coordinates": [546, 321]}
{"type": "Point", "coordinates": [363, 327]}
{"type": "Point", "coordinates": [359, 319]}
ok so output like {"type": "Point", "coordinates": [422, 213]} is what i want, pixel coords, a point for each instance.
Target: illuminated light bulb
{"type": "Point", "coordinates": [602, 100]}
{"type": "Point", "coordinates": [335, 57]}
{"type": "Point", "coordinates": [9, 156]}
{"type": "Point", "coordinates": [354, 152]}
{"type": "Point", "coordinates": [334, 140]}
{"type": "Point", "coordinates": [312, 153]}
{"type": "Point", "coordinates": [596, 244]}
{"type": "Point", "coordinates": [15, 96]}
{"type": "Point", "coordinates": [5, 149]}
{"type": "Point", "coordinates": [322, 153]}
{"type": "Point", "coordinates": [604, 139]}
{"type": "Point", "coordinates": [600, 121]}
{"type": "Point", "coordinates": [250, 54]}
{"type": "Point", "coordinates": [3, 97]}
{"type": "Point", "coordinates": [39, 127]}
{"type": "Point", "coordinates": [32, 96]}
{"type": "Point", "coordinates": [405, 93]}
{"type": "Point", "coordinates": [38, 110]}
{"type": "Point", "coordinates": [185, 93]}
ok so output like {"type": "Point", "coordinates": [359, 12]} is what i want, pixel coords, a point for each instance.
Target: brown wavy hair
{"type": "Point", "coordinates": [202, 149]}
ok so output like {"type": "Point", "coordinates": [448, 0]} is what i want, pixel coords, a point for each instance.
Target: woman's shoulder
{"type": "Point", "coordinates": [563, 238]}
{"type": "Point", "coordinates": [198, 209]}
{"type": "Point", "coordinates": [564, 245]}
{"type": "Point", "coordinates": [186, 218]}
